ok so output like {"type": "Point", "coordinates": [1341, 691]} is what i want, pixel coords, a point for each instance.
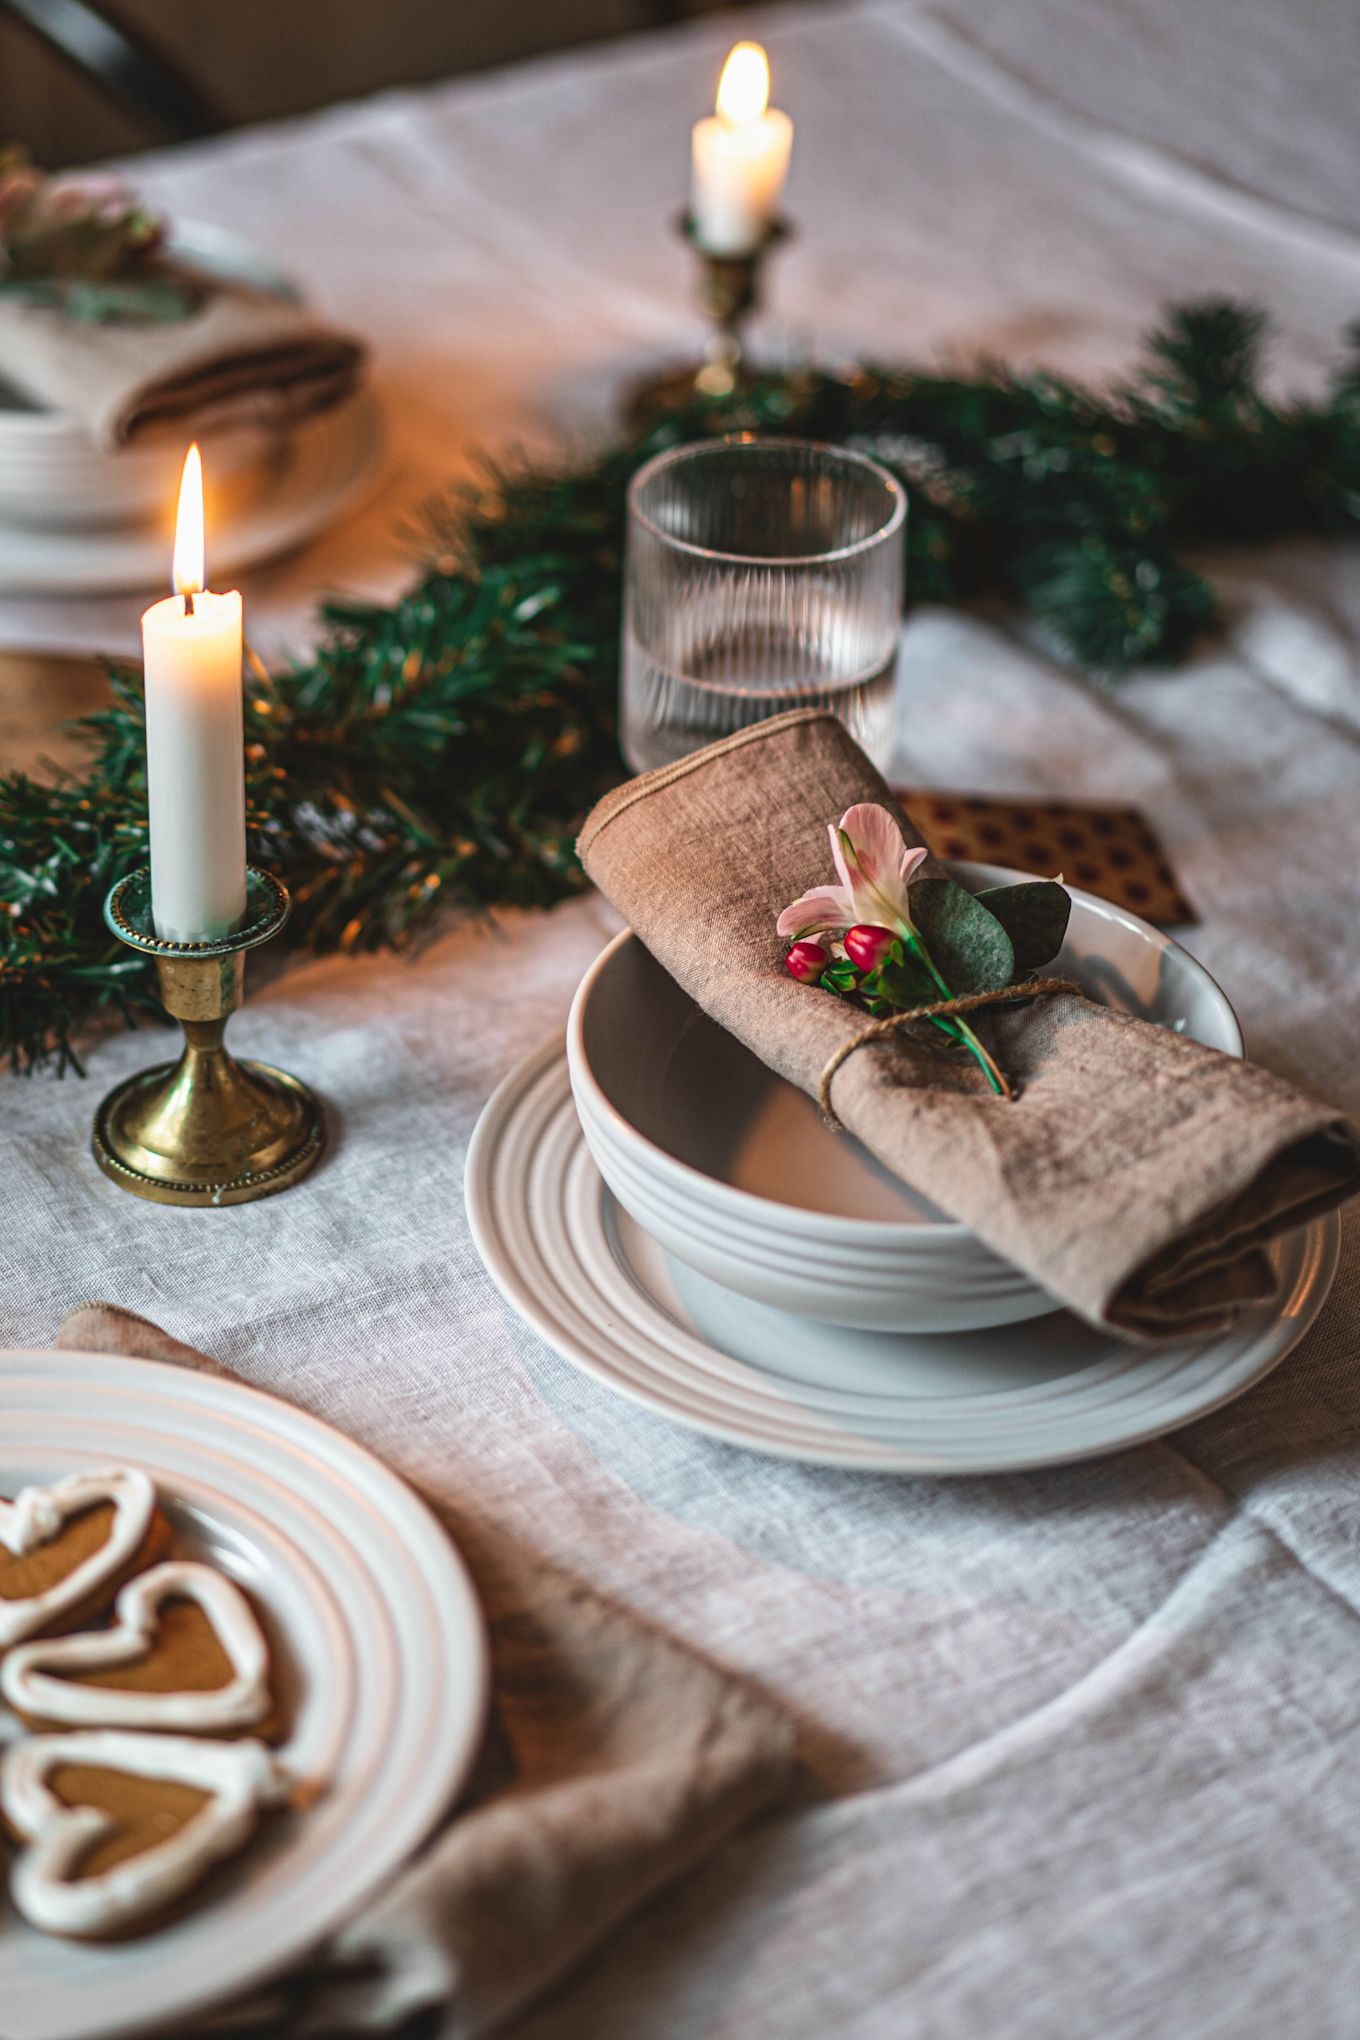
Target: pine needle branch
{"type": "Point", "coordinates": [441, 750]}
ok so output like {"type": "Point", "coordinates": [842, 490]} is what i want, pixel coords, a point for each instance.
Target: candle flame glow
{"type": "Point", "coordinates": [744, 88]}
{"type": "Point", "coordinates": [187, 573]}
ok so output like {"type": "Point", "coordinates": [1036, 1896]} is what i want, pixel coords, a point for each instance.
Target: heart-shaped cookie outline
{"type": "Point", "coordinates": [27, 1684]}
{"type": "Point", "coordinates": [35, 1517]}
{"type": "Point", "coordinates": [241, 1777]}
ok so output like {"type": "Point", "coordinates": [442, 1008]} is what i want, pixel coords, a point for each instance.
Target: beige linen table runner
{"type": "Point", "coordinates": [616, 1760]}
{"type": "Point", "coordinates": [242, 357]}
{"type": "Point", "coordinates": [1138, 1176]}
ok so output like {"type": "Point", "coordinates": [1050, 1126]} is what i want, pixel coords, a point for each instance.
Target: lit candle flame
{"type": "Point", "coordinates": [744, 88]}
{"type": "Point", "coordinates": [188, 567]}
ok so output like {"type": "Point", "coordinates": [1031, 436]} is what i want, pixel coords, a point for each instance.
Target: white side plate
{"type": "Point", "coordinates": [378, 1642]}
{"type": "Point", "coordinates": [323, 470]}
{"type": "Point", "coordinates": [607, 1299]}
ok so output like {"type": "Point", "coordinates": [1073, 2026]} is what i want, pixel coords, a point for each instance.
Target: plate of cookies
{"type": "Point", "coordinates": [243, 1674]}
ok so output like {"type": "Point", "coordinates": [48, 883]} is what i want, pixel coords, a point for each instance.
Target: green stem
{"type": "Point", "coordinates": [961, 1030]}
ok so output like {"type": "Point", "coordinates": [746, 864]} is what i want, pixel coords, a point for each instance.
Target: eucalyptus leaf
{"type": "Point", "coordinates": [152, 301]}
{"type": "Point", "coordinates": [1034, 915]}
{"type": "Point", "coordinates": [968, 945]}
{"type": "Point", "coordinates": [149, 301]}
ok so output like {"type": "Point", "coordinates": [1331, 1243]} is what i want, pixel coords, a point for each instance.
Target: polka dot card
{"type": "Point", "coordinates": [1107, 850]}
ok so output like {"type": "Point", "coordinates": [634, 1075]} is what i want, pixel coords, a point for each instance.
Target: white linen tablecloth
{"type": "Point", "coordinates": [1083, 1747]}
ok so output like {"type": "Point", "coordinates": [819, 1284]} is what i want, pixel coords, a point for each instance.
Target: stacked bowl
{"type": "Point", "coordinates": [52, 474]}
{"type": "Point", "coordinates": [734, 1173]}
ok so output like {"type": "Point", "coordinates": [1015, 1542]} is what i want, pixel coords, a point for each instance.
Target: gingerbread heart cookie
{"type": "Point", "coordinates": [184, 1653]}
{"type": "Point", "coordinates": [66, 1549]}
{"type": "Point", "coordinates": [117, 1826]}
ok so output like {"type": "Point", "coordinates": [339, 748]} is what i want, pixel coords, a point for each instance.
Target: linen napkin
{"type": "Point", "coordinates": [242, 357]}
{"type": "Point", "coordinates": [616, 1760]}
{"type": "Point", "coordinates": [1138, 1177]}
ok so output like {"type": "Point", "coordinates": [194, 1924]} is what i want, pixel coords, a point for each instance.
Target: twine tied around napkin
{"type": "Point", "coordinates": [938, 1009]}
{"type": "Point", "coordinates": [616, 1760]}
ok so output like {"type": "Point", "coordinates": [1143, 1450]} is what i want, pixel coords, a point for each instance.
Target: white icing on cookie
{"type": "Point", "coordinates": [31, 1518]}
{"type": "Point", "coordinates": [35, 1517]}
{"type": "Point", "coordinates": [240, 1776]}
{"type": "Point", "coordinates": [30, 1681]}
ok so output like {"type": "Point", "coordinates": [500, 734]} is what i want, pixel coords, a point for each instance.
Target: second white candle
{"type": "Point", "coordinates": [195, 744]}
{"type": "Point", "coordinates": [740, 158]}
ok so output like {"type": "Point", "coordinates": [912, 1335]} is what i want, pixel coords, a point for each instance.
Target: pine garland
{"type": "Point", "coordinates": [442, 750]}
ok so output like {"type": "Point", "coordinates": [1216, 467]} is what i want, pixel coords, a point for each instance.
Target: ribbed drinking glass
{"type": "Point", "coordinates": [762, 575]}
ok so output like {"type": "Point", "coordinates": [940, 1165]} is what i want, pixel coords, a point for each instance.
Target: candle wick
{"type": "Point", "coordinates": [188, 602]}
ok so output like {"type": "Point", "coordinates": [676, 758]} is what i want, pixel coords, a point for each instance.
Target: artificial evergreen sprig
{"type": "Point", "coordinates": [441, 750]}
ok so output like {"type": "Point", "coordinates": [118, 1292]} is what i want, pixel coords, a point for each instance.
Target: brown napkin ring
{"type": "Point", "coordinates": [884, 1029]}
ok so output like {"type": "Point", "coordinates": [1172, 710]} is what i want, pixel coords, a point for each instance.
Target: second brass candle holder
{"type": "Point", "coordinates": [208, 1129]}
{"type": "Point", "coordinates": [729, 293]}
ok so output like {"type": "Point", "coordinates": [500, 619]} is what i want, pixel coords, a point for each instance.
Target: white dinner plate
{"type": "Point", "coordinates": [608, 1299]}
{"type": "Point", "coordinates": [378, 1644]}
{"type": "Point", "coordinates": [323, 469]}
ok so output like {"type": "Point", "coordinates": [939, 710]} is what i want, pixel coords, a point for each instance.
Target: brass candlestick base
{"type": "Point", "coordinates": [729, 292]}
{"type": "Point", "coordinates": [207, 1129]}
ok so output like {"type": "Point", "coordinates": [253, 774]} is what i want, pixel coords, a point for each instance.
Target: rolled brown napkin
{"type": "Point", "coordinates": [1137, 1176]}
{"type": "Point", "coordinates": [617, 1760]}
{"type": "Point", "coordinates": [241, 357]}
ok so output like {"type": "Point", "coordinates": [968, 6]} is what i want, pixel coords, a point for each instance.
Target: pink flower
{"type": "Point", "coordinates": [806, 961]}
{"type": "Point", "coordinates": [69, 226]}
{"type": "Point", "coordinates": [874, 867]}
{"type": "Point", "coordinates": [80, 192]}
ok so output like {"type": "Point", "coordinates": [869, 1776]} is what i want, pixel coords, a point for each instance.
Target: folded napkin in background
{"type": "Point", "coordinates": [616, 1761]}
{"type": "Point", "coordinates": [242, 357]}
{"type": "Point", "coordinates": [1138, 1177]}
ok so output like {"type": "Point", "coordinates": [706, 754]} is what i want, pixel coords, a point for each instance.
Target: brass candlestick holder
{"type": "Point", "coordinates": [729, 293]}
{"type": "Point", "coordinates": [207, 1129]}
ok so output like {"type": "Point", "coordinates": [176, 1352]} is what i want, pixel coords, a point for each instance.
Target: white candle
{"type": "Point", "coordinates": [195, 746]}
{"type": "Point", "coordinates": [740, 158]}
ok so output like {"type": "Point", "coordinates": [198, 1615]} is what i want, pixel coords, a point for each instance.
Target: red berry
{"type": "Point", "coordinates": [806, 961]}
{"type": "Point", "coordinates": [866, 946]}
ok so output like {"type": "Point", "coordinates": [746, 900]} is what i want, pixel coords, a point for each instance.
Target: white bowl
{"type": "Point", "coordinates": [734, 1172]}
{"type": "Point", "coordinates": [52, 474]}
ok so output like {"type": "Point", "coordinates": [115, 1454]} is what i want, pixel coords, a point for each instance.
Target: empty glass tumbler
{"type": "Point", "coordinates": [762, 575]}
